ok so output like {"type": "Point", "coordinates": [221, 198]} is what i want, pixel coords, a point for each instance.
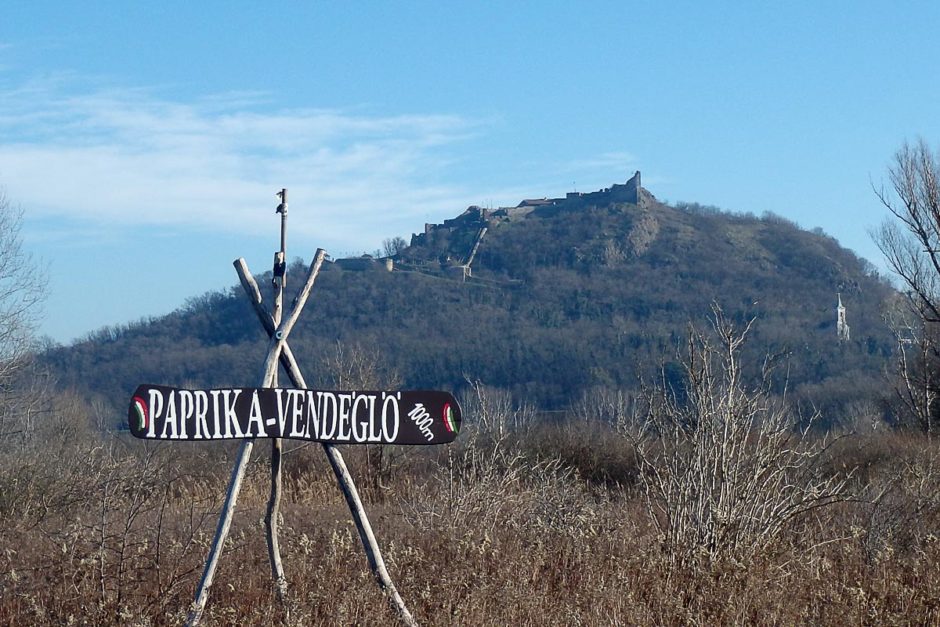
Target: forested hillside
{"type": "Point", "coordinates": [561, 298]}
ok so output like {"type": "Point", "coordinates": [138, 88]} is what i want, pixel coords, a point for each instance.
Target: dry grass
{"type": "Point", "coordinates": [495, 530]}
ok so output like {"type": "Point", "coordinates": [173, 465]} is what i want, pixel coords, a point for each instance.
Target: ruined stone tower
{"type": "Point", "coordinates": [632, 192]}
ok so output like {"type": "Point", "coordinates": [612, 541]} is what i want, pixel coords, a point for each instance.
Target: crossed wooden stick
{"type": "Point", "coordinates": [279, 352]}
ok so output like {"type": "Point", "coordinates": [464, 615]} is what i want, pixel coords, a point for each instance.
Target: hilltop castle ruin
{"type": "Point", "coordinates": [631, 192]}
{"type": "Point", "coordinates": [460, 238]}
{"type": "Point", "coordinates": [465, 232]}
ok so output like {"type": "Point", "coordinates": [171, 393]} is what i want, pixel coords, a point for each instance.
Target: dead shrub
{"type": "Point", "coordinates": [902, 502]}
{"type": "Point", "coordinates": [487, 480]}
{"type": "Point", "coordinates": [724, 466]}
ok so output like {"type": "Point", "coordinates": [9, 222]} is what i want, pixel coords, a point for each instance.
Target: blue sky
{"type": "Point", "coordinates": [145, 141]}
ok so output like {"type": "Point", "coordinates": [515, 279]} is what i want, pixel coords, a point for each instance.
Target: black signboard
{"type": "Point", "coordinates": [158, 412]}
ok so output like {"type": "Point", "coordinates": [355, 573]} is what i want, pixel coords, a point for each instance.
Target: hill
{"type": "Point", "coordinates": [548, 299]}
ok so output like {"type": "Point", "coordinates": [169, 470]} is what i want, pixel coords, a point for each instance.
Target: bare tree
{"type": "Point", "coordinates": [21, 290]}
{"type": "Point", "coordinates": [494, 411]}
{"type": "Point", "coordinates": [917, 365]}
{"type": "Point", "coordinates": [606, 405]}
{"type": "Point", "coordinates": [392, 246]}
{"type": "Point", "coordinates": [356, 366]}
{"type": "Point", "coordinates": [724, 465]}
{"type": "Point", "coordinates": [910, 242]}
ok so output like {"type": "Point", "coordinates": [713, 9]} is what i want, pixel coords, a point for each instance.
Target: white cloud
{"type": "Point", "coordinates": [134, 160]}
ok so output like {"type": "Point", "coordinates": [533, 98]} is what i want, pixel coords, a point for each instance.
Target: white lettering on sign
{"type": "Point", "coordinates": [156, 408]}
{"type": "Point", "coordinates": [215, 410]}
{"type": "Point", "coordinates": [360, 434]}
{"type": "Point", "coordinates": [254, 416]}
{"type": "Point", "coordinates": [186, 410]}
{"type": "Point", "coordinates": [343, 417]}
{"type": "Point", "coordinates": [170, 419]}
{"type": "Point", "coordinates": [422, 419]}
{"type": "Point", "coordinates": [390, 400]}
{"type": "Point", "coordinates": [296, 415]}
{"type": "Point", "coordinates": [231, 419]}
{"type": "Point", "coordinates": [327, 405]}
{"type": "Point", "coordinates": [202, 408]}
{"type": "Point", "coordinates": [315, 415]}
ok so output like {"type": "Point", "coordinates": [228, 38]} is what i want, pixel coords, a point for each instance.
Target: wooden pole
{"type": "Point", "coordinates": [225, 519]}
{"type": "Point", "coordinates": [271, 523]}
{"type": "Point", "coordinates": [275, 348]}
{"type": "Point", "coordinates": [343, 477]}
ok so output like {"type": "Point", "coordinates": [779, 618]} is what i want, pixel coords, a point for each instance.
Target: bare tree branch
{"type": "Point", "coordinates": [910, 243]}
{"type": "Point", "coordinates": [21, 291]}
